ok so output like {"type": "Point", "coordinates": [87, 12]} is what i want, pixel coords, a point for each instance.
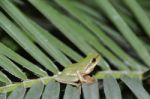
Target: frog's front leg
{"type": "Point", "coordinates": [89, 79]}
{"type": "Point", "coordinates": [81, 78]}
{"type": "Point", "coordinates": [84, 78]}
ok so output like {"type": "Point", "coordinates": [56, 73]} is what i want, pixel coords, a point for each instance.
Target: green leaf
{"type": "Point", "coordinates": [72, 92]}
{"type": "Point", "coordinates": [31, 30]}
{"type": "Point", "coordinates": [27, 84]}
{"type": "Point", "coordinates": [119, 74]}
{"type": "Point", "coordinates": [56, 42]}
{"type": "Point", "coordinates": [89, 11]}
{"type": "Point", "coordinates": [18, 35]}
{"type": "Point", "coordinates": [8, 88]}
{"type": "Point", "coordinates": [91, 91]}
{"type": "Point", "coordinates": [17, 94]}
{"type": "Point", "coordinates": [80, 23]}
{"type": "Point", "coordinates": [136, 87]}
{"type": "Point", "coordinates": [20, 60]}
{"type": "Point", "coordinates": [4, 78]}
{"type": "Point", "coordinates": [35, 91]}
{"type": "Point", "coordinates": [3, 96]}
{"type": "Point", "coordinates": [44, 7]}
{"type": "Point", "coordinates": [51, 90]}
{"type": "Point", "coordinates": [111, 88]}
{"type": "Point", "coordinates": [140, 14]}
{"type": "Point", "coordinates": [146, 74]}
{"type": "Point", "coordinates": [72, 29]}
{"type": "Point", "coordinates": [9, 66]}
{"type": "Point", "coordinates": [89, 23]}
{"type": "Point", "coordinates": [67, 50]}
{"type": "Point", "coordinates": [118, 21]}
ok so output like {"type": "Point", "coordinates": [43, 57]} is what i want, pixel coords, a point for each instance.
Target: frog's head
{"type": "Point", "coordinates": [92, 61]}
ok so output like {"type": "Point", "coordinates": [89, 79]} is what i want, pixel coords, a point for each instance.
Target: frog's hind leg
{"type": "Point", "coordinates": [65, 80]}
{"type": "Point", "coordinates": [71, 83]}
{"type": "Point", "coordinates": [75, 84]}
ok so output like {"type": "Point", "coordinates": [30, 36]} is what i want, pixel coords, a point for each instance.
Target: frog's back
{"type": "Point", "coordinates": [73, 68]}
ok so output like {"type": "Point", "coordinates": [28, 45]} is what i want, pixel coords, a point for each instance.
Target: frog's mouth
{"type": "Point", "coordinates": [90, 67]}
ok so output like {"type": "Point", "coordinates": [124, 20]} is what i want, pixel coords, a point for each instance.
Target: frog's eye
{"type": "Point", "coordinates": [93, 60]}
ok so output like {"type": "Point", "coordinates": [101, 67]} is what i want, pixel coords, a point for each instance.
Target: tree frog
{"type": "Point", "coordinates": [78, 73]}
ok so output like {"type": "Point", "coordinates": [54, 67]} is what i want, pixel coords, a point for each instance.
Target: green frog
{"type": "Point", "coordinates": [78, 73]}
